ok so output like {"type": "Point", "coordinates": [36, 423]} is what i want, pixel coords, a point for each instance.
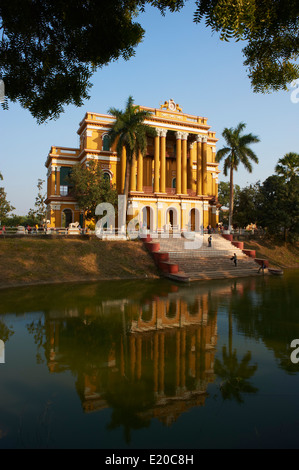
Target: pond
{"type": "Point", "coordinates": [151, 365]}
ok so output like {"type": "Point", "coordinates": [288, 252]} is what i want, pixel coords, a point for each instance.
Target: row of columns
{"type": "Point", "coordinates": [192, 358]}
{"type": "Point", "coordinates": [201, 163]}
{"type": "Point", "coordinates": [160, 164]}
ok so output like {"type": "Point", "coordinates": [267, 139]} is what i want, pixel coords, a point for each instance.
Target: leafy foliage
{"type": "Point", "coordinates": [49, 50]}
{"type": "Point", "coordinates": [90, 188]}
{"type": "Point", "coordinates": [288, 166]}
{"type": "Point", "coordinates": [5, 206]}
{"type": "Point", "coordinates": [273, 204]}
{"type": "Point", "coordinates": [270, 29]}
{"type": "Point", "coordinates": [279, 209]}
{"type": "Point", "coordinates": [129, 129]}
{"type": "Point", "coordinates": [223, 193]}
{"type": "Point", "coordinates": [223, 199]}
{"type": "Point", "coordinates": [246, 205]}
{"type": "Point", "coordinates": [279, 199]}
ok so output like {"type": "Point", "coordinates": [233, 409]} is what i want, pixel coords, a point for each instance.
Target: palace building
{"type": "Point", "coordinates": [174, 185]}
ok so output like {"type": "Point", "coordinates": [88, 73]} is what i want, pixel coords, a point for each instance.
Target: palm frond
{"type": "Point", "coordinates": [248, 139]}
{"type": "Point", "coordinates": [222, 153]}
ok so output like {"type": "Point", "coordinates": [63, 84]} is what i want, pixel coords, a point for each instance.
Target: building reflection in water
{"type": "Point", "coordinates": [157, 360]}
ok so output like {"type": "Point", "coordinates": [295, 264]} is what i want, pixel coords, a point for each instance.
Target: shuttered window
{"type": "Point", "coordinates": [106, 143]}
{"type": "Point", "coordinates": [64, 175]}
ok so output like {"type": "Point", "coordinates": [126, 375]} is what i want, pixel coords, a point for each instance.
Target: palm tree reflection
{"type": "Point", "coordinates": [235, 375]}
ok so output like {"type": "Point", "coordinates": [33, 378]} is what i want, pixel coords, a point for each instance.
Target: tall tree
{"type": "Point", "coordinates": [235, 152]}
{"type": "Point", "coordinates": [5, 206]}
{"type": "Point", "coordinates": [270, 29]}
{"type": "Point", "coordinates": [90, 188]}
{"type": "Point", "coordinates": [50, 49]}
{"type": "Point", "coordinates": [131, 133]}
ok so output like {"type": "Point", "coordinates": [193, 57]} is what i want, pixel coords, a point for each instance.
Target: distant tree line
{"type": "Point", "coordinates": [35, 215]}
{"type": "Point", "coordinates": [272, 205]}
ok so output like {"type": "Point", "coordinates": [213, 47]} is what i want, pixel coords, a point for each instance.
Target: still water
{"type": "Point", "coordinates": [152, 365]}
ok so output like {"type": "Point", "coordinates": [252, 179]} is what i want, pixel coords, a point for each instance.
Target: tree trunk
{"type": "Point", "coordinates": [285, 236]}
{"type": "Point", "coordinates": [126, 190]}
{"type": "Point", "coordinates": [231, 198]}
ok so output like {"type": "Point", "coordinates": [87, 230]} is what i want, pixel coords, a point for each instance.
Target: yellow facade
{"type": "Point", "coordinates": [174, 185]}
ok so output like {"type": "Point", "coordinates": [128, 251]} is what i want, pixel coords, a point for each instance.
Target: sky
{"type": "Point", "coordinates": [177, 60]}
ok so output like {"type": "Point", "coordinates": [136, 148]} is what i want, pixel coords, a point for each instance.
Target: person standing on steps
{"type": "Point", "coordinates": [210, 241]}
{"type": "Point", "coordinates": [235, 259]}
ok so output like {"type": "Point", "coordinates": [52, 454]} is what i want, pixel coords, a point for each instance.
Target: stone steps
{"type": "Point", "coordinates": [204, 254]}
{"type": "Point", "coordinates": [204, 263]}
{"type": "Point", "coordinates": [216, 269]}
{"type": "Point", "coordinates": [220, 247]}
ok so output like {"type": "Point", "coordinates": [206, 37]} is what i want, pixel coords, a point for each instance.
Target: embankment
{"type": "Point", "coordinates": [26, 261]}
{"type": "Point", "coordinates": [29, 261]}
{"type": "Point", "coordinates": [279, 254]}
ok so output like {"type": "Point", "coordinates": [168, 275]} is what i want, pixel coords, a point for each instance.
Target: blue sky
{"type": "Point", "coordinates": [177, 59]}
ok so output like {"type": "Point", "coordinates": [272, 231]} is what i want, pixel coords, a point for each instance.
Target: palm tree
{"type": "Point", "coordinates": [130, 132]}
{"type": "Point", "coordinates": [288, 166]}
{"type": "Point", "coordinates": [237, 151]}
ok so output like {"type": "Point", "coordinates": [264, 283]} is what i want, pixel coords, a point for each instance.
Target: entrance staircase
{"type": "Point", "coordinates": [201, 262]}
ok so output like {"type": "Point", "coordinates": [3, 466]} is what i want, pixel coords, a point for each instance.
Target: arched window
{"type": "Point", "coordinates": [173, 183]}
{"type": "Point", "coordinates": [67, 218]}
{"type": "Point", "coordinates": [106, 143]}
{"type": "Point", "coordinates": [107, 176]}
